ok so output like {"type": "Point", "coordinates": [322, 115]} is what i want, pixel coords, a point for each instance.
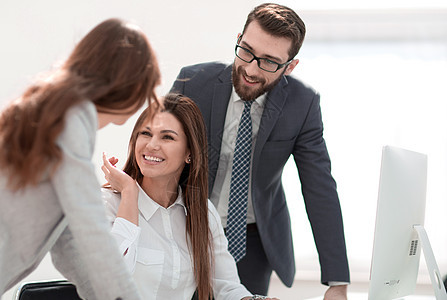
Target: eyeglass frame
{"type": "Point", "coordinates": [258, 59]}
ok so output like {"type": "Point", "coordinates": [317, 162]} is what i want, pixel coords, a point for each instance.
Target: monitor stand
{"type": "Point", "coordinates": [435, 276]}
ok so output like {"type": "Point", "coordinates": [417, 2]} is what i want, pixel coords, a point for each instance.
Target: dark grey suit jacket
{"type": "Point", "coordinates": [291, 125]}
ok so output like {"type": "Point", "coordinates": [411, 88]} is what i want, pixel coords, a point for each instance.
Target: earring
{"type": "Point", "coordinates": [189, 159]}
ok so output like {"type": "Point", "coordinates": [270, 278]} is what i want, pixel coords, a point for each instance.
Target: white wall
{"type": "Point", "coordinates": [365, 101]}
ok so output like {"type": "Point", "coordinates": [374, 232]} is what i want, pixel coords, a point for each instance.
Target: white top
{"type": "Point", "coordinates": [157, 251]}
{"type": "Point", "coordinates": [221, 189]}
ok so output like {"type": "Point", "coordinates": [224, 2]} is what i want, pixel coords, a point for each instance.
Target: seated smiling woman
{"type": "Point", "coordinates": [167, 230]}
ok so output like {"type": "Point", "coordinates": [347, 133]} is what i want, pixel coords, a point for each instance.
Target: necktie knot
{"type": "Point", "coordinates": [247, 104]}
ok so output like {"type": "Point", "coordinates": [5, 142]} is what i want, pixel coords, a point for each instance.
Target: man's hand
{"type": "Point", "coordinates": [337, 292]}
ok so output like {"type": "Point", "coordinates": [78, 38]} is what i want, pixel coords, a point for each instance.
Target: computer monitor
{"type": "Point", "coordinates": [400, 206]}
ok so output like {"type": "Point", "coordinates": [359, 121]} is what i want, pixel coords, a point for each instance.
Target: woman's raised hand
{"type": "Point", "coordinates": [117, 179]}
{"type": "Point", "coordinates": [126, 185]}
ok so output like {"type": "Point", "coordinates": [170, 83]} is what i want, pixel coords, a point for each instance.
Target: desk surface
{"type": "Point", "coordinates": [364, 296]}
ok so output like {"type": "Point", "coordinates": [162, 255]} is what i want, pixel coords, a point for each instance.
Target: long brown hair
{"type": "Point", "coordinates": [193, 180]}
{"type": "Point", "coordinates": [113, 66]}
{"type": "Point", "coordinates": [281, 21]}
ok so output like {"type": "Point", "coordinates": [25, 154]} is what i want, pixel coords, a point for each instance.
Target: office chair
{"type": "Point", "coordinates": [47, 290]}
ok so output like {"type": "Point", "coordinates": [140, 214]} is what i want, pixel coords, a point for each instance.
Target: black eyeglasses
{"type": "Point", "coordinates": [263, 63]}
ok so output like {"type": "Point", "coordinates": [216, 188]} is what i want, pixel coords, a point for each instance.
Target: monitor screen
{"type": "Point", "coordinates": [400, 206]}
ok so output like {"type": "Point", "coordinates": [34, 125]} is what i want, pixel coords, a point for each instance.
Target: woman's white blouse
{"type": "Point", "coordinates": [157, 252]}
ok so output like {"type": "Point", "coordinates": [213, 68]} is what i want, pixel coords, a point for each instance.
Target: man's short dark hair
{"type": "Point", "coordinates": [281, 21]}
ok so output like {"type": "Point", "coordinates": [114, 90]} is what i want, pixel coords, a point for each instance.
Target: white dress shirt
{"type": "Point", "coordinates": [221, 190]}
{"type": "Point", "coordinates": [157, 252]}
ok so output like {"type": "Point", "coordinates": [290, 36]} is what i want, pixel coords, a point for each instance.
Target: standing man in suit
{"type": "Point", "coordinates": [284, 118]}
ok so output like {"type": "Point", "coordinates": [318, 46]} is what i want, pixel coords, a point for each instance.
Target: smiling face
{"type": "Point", "coordinates": [249, 80]}
{"type": "Point", "coordinates": [161, 148]}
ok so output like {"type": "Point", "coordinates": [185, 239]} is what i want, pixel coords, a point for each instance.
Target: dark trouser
{"type": "Point", "coordinates": [254, 269]}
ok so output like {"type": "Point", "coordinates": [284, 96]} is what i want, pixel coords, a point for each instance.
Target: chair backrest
{"type": "Point", "coordinates": [47, 290]}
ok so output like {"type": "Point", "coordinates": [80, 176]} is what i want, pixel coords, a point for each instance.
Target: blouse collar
{"type": "Point", "coordinates": [148, 207]}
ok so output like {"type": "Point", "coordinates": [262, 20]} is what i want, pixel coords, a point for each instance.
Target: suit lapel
{"type": "Point", "coordinates": [219, 104]}
{"type": "Point", "coordinates": [272, 111]}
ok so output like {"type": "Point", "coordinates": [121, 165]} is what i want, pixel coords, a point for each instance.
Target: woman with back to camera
{"type": "Point", "coordinates": [50, 196]}
{"type": "Point", "coordinates": [167, 230]}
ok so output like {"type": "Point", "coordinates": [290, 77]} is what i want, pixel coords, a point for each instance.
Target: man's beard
{"type": "Point", "coordinates": [246, 93]}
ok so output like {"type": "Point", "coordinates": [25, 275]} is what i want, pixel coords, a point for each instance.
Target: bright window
{"type": "Point", "coordinates": [382, 82]}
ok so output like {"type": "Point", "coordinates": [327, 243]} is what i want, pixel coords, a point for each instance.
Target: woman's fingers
{"type": "Point", "coordinates": [117, 178]}
{"type": "Point", "coordinates": [105, 161]}
{"type": "Point", "coordinates": [109, 163]}
{"type": "Point", "coordinates": [107, 167]}
{"type": "Point", "coordinates": [104, 170]}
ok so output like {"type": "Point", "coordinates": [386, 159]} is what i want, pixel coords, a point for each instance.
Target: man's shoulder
{"type": "Point", "coordinates": [210, 68]}
{"type": "Point", "coordinates": [296, 83]}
